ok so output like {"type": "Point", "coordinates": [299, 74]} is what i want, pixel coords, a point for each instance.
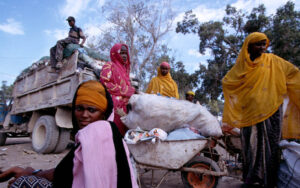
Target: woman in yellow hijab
{"type": "Point", "coordinates": [254, 91]}
{"type": "Point", "coordinates": [163, 84]}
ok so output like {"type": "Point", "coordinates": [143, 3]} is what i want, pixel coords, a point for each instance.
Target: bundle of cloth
{"type": "Point", "coordinates": [41, 62]}
{"type": "Point", "coordinates": [289, 170]}
{"type": "Point", "coordinates": [70, 48]}
{"type": "Point", "coordinates": [149, 111]}
{"type": "Point", "coordinates": [87, 57]}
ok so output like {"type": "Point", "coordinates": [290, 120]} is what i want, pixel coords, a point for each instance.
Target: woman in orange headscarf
{"type": "Point", "coordinates": [254, 91]}
{"type": "Point", "coordinates": [100, 157]}
{"type": "Point", "coordinates": [163, 84]}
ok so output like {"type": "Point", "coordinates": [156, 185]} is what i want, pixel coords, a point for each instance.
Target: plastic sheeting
{"type": "Point", "coordinates": [151, 111]}
{"type": "Point", "coordinates": [134, 136]}
{"type": "Point", "coordinates": [184, 134]}
{"type": "Point", "coordinates": [289, 171]}
{"type": "Point", "coordinates": [70, 48]}
{"type": "Point", "coordinates": [89, 57]}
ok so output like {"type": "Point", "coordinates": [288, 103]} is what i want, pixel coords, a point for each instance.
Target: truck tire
{"type": "Point", "coordinates": [63, 140]}
{"type": "Point", "coordinates": [45, 135]}
{"type": "Point", "coordinates": [2, 139]}
{"type": "Point", "coordinates": [191, 179]}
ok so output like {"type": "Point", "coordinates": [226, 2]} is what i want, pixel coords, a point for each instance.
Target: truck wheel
{"type": "Point", "coordinates": [2, 139]}
{"type": "Point", "coordinates": [63, 140]}
{"type": "Point", "coordinates": [193, 180]}
{"type": "Point", "coordinates": [45, 134]}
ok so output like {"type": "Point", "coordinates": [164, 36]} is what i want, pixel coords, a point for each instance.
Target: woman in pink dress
{"type": "Point", "coordinates": [115, 76]}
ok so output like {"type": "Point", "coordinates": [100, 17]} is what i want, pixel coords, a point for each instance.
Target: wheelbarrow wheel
{"type": "Point", "coordinates": [193, 180]}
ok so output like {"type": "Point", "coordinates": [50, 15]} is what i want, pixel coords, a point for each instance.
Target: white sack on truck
{"type": "Point", "coordinates": [152, 111]}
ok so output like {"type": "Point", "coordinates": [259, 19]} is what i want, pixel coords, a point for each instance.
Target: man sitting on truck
{"type": "Point", "coordinates": [56, 52]}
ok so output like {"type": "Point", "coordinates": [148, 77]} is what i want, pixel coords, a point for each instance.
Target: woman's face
{"type": "Point", "coordinates": [86, 114]}
{"type": "Point", "coordinates": [256, 49]}
{"type": "Point", "coordinates": [123, 54]}
{"type": "Point", "coordinates": [164, 70]}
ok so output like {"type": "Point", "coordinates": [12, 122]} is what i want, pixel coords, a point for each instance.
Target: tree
{"type": "Point", "coordinates": [257, 20]}
{"type": "Point", "coordinates": [285, 33]}
{"type": "Point", "coordinates": [5, 93]}
{"type": "Point", "coordinates": [222, 45]}
{"type": "Point", "coordinates": [141, 25]}
{"type": "Point", "coordinates": [184, 80]}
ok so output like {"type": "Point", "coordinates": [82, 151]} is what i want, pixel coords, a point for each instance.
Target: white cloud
{"type": "Point", "coordinates": [204, 13]}
{"type": "Point", "coordinates": [93, 31]}
{"type": "Point", "coordinates": [271, 6]}
{"type": "Point", "coordinates": [73, 8]}
{"type": "Point", "coordinates": [57, 33]}
{"type": "Point", "coordinates": [12, 26]}
{"type": "Point", "coordinates": [100, 3]}
{"type": "Point", "coordinates": [193, 64]}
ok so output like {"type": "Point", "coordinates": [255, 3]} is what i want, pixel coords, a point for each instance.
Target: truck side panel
{"type": "Point", "coordinates": [39, 90]}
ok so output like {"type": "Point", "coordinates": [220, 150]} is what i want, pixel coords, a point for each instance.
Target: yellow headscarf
{"type": "Point", "coordinates": [190, 93]}
{"type": "Point", "coordinates": [163, 85]}
{"type": "Point", "coordinates": [92, 93]}
{"type": "Point", "coordinates": [254, 90]}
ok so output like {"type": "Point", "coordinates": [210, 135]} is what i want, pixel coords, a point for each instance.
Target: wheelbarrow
{"type": "Point", "coordinates": [179, 155]}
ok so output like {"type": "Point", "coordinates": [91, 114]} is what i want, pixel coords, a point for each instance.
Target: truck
{"type": "Point", "coordinates": [41, 105]}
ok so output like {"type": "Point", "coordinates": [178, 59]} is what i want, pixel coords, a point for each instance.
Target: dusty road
{"type": "Point", "coordinates": [18, 152]}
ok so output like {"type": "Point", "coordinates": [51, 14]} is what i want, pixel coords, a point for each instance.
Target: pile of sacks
{"type": "Point", "coordinates": [44, 61]}
{"type": "Point", "coordinates": [87, 57]}
{"type": "Point", "coordinates": [151, 111]}
{"type": "Point", "coordinates": [289, 170]}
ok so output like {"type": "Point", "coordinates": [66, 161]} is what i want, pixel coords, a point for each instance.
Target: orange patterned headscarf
{"type": "Point", "coordinates": [254, 90]}
{"type": "Point", "coordinates": [92, 93]}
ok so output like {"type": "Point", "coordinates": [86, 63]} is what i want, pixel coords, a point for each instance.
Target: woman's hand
{"type": "Point", "coordinates": [15, 172]}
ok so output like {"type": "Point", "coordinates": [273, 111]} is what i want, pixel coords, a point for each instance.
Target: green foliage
{"type": "Point", "coordinates": [224, 39]}
{"type": "Point", "coordinates": [5, 92]}
{"type": "Point", "coordinates": [151, 68]}
{"type": "Point", "coordinates": [184, 80]}
{"type": "Point", "coordinates": [285, 33]}
{"type": "Point", "coordinates": [215, 107]}
{"type": "Point", "coordinates": [189, 23]}
{"type": "Point", "coordinates": [257, 20]}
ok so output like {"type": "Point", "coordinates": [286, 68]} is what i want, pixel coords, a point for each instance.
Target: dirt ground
{"type": "Point", "coordinates": [18, 152]}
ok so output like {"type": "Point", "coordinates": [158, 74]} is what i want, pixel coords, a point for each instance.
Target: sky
{"type": "Point", "coordinates": [29, 28]}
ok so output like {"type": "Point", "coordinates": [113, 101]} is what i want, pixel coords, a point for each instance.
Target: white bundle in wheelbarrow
{"type": "Point", "coordinates": [152, 111]}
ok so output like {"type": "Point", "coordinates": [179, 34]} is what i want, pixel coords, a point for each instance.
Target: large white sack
{"type": "Point", "coordinates": [152, 111]}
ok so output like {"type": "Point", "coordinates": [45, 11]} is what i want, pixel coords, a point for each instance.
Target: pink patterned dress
{"type": "Point", "coordinates": [115, 76]}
